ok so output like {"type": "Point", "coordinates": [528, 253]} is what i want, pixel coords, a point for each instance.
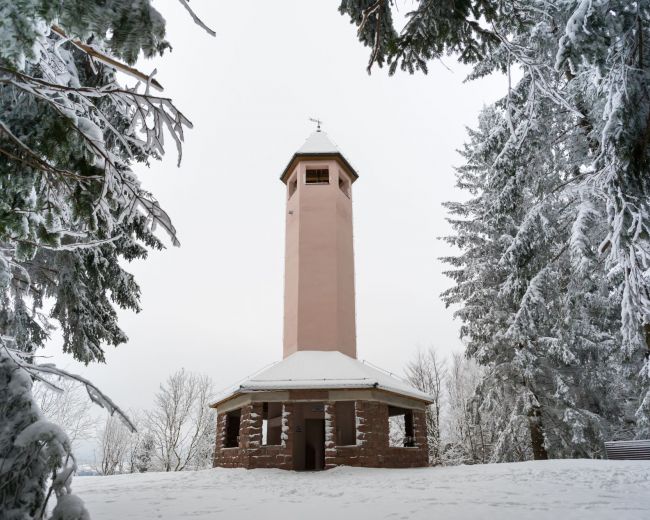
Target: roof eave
{"type": "Point", "coordinates": [228, 397]}
{"type": "Point", "coordinates": [428, 399]}
{"type": "Point", "coordinates": [244, 390]}
{"type": "Point", "coordinates": [318, 155]}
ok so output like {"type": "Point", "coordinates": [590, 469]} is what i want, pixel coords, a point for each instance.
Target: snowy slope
{"type": "Point", "coordinates": [558, 490]}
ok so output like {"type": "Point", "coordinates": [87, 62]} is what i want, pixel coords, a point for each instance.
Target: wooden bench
{"type": "Point", "coordinates": [628, 450]}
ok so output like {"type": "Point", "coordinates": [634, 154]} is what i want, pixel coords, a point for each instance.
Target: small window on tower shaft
{"type": "Point", "coordinates": [344, 186]}
{"type": "Point", "coordinates": [317, 176]}
{"type": "Point", "coordinates": [293, 186]}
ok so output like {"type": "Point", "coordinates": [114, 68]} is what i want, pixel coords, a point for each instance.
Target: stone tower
{"type": "Point", "coordinates": [319, 310]}
{"type": "Point", "coordinates": [320, 407]}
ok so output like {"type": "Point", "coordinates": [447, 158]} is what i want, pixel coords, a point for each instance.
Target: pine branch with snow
{"type": "Point", "coordinates": [72, 210]}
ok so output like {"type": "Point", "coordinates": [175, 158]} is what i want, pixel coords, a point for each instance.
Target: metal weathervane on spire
{"type": "Point", "coordinates": [317, 121]}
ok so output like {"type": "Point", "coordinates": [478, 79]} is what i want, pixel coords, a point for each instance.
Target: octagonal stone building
{"type": "Point", "coordinates": [320, 407]}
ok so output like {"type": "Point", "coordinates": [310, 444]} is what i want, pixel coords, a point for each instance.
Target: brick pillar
{"type": "Point", "coordinates": [382, 431]}
{"type": "Point", "coordinates": [330, 435]}
{"type": "Point", "coordinates": [255, 420]}
{"type": "Point", "coordinates": [372, 432]}
{"type": "Point", "coordinates": [220, 440]}
{"type": "Point", "coordinates": [361, 427]}
{"type": "Point", "coordinates": [285, 459]}
{"type": "Point", "coordinates": [250, 432]}
{"type": "Point", "coordinates": [420, 432]}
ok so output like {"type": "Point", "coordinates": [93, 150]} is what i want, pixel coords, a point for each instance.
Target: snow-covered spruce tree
{"type": "Point", "coordinates": [71, 208]}
{"type": "Point", "coordinates": [535, 303]}
{"type": "Point", "coordinates": [577, 125]}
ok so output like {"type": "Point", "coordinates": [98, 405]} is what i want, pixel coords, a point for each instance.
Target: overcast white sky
{"type": "Point", "coordinates": [214, 305]}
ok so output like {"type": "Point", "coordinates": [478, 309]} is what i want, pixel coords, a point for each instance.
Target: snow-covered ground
{"type": "Point", "coordinates": [558, 490]}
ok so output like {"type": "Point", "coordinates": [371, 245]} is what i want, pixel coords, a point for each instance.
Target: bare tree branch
{"type": "Point", "coordinates": [196, 19]}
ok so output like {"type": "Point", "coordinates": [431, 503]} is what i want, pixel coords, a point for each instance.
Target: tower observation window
{"type": "Point", "coordinates": [317, 176]}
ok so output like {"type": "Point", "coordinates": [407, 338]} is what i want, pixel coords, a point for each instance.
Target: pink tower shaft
{"type": "Point", "coordinates": [319, 307]}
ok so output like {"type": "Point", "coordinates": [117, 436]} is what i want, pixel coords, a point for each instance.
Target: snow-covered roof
{"type": "Point", "coordinates": [310, 369]}
{"type": "Point", "coordinates": [318, 144]}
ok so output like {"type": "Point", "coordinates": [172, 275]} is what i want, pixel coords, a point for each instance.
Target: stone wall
{"type": "Point", "coordinates": [251, 453]}
{"type": "Point", "coordinates": [372, 448]}
{"type": "Point", "coordinates": [225, 457]}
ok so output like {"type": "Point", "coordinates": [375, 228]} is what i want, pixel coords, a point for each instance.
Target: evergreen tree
{"type": "Point", "coordinates": [144, 453]}
{"type": "Point", "coordinates": [549, 337]}
{"type": "Point", "coordinates": [552, 279]}
{"type": "Point", "coordinates": [71, 208]}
